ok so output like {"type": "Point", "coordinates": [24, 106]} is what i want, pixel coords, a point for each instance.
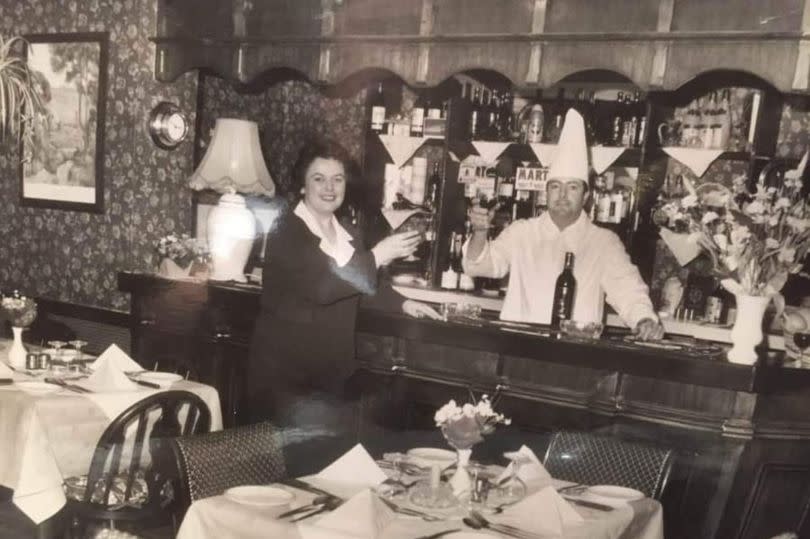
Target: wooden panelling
{"type": "Point", "coordinates": [602, 16]}
{"type": "Point", "coordinates": [754, 15]}
{"type": "Point", "coordinates": [378, 17]}
{"type": "Point", "coordinates": [631, 59]}
{"type": "Point", "coordinates": [483, 17]}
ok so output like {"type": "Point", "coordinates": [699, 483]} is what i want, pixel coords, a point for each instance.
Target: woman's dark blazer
{"type": "Point", "coordinates": [305, 334]}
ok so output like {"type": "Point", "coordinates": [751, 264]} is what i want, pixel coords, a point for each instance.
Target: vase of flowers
{"type": "Point", "coordinates": [755, 240]}
{"type": "Point", "coordinates": [20, 311]}
{"type": "Point", "coordinates": [463, 427]}
{"type": "Point", "coordinates": [179, 253]}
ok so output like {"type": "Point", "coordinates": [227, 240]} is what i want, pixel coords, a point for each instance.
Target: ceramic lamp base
{"type": "Point", "coordinates": [231, 232]}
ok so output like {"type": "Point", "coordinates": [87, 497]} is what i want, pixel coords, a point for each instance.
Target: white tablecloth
{"type": "Point", "coordinates": [220, 517]}
{"type": "Point", "coordinates": [47, 437]}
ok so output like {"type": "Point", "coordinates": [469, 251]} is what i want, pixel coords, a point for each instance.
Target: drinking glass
{"type": "Point", "coordinates": [78, 344]}
{"type": "Point", "coordinates": [802, 341]}
{"type": "Point", "coordinates": [512, 489]}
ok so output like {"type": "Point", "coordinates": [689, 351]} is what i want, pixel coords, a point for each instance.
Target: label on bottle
{"type": "Point", "coordinates": [603, 208]}
{"type": "Point", "coordinates": [506, 189]}
{"type": "Point", "coordinates": [417, 121]}
{"type": "Point", "coordinates": [449, 279]}
{"type": "Point", "coordinates": [377, 117]}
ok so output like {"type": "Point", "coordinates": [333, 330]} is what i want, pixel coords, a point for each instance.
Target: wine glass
{"type": "Point", "coordinates": [512, 489]}
{"type": "Point", "coordinates": [802, 341]}
{"type": "Point", "coordinates": [57, 346]}
{"type": "Point", "coordinates": [78, 344]}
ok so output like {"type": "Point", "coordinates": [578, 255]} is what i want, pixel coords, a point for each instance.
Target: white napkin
{"type": "Point", "coordinates": [400, 149]}
{"type": "Point", "coordinates": [363, 515]}
{"type": "Point", "coordinates": [697, 159]}
{"type": "Point", "coordinates": [544, 512]}
{"type": "Point", "coordinates": [117, 357]}
{"type": "Point", "coordinates": [796, 173]}
{"type": "Point", "coordinates": [109, 377]}
{"type": "Point", "coordinates": [5, 371]}
{"type": "Point", "coordinates": [533, 470]}
{"type": "Point", "coordinates": [544, 152]}
{"type": "Point", "coordinates": [489, 151]}
{"type": "Point", "coordinates": [355, 467]}
{"type": "Point", "coordinates": [604, 156]}
{"type": "Point", "coordinates": [395, 218]}
{"type": "Point", "coordinates": [681, 246]}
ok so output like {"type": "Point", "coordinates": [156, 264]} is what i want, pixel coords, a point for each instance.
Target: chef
{"type": "Point", "coordinates": [532, 251]}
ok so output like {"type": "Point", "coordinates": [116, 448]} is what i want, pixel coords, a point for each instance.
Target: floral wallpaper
{"type": "Point", "coordinates": [74, 256]}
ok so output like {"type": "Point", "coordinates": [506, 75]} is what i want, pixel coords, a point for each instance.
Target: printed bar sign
{"type": "Point", "coordinates": [530, 179]}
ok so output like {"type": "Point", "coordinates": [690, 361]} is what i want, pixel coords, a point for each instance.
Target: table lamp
{"type": "Point", "coordinates": [232, 164]}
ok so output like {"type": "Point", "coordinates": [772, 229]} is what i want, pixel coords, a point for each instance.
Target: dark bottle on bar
{"type": "Point", "coordinates": [564, 292]}
{"type": "Point", "coordinates": [377, 120]}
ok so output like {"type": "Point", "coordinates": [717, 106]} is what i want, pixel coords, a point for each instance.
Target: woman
{"type": "Point", "coordinates": [316, 273]}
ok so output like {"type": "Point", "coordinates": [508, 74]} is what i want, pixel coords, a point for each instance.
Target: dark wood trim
{"type": "Point", "coordinates": [84, 312]}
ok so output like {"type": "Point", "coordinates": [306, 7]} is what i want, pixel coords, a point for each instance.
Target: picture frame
{"type": "Point", "coordinates": [63, 168]}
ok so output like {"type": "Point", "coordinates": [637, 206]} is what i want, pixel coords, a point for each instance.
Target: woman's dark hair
{"type": "Point", "coordinates": [325, 149]}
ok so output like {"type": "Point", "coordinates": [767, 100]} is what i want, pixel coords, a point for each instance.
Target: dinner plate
{"type": "Point", "coordinates": [163, 379]}
{"type": "Point", "coordinates": [260, 495]}
{"type": "Point", "coordinates": [612, 495]}
{"type": "Point", "coordinates": [37, 386]}
{"type": "Point", "coordinates": [427, 456]}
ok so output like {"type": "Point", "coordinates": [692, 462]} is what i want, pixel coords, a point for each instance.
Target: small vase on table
{"type": "Point", "coordinates": [172, 270]}
{"type": "Point", "coordinates": [460, 481]}
{"type": "Point", "coordinates": [17, 352]}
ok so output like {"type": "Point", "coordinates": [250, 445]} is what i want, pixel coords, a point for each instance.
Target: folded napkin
{"type": "Point", "coordinates": [5, 371]}
{"type": "Point", "coordinates": [531, 469]}
{"type": "Point", "coordinates": [684, 249]}
{"type": "Point", "coordinates": [109, 377]}
{"type": "Point", "coordinates": [117, 357]}
{"type": "Point", "coordinates": [363, 516]}
{"type": "Point", "coordinates": [545, 512]}
{"type": "Point", "coordinates": [355, 467]}
{"type": "Point", "coordinates": [697, 159]}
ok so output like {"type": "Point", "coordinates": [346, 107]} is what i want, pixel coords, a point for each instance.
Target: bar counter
{"type": "Point", "coordinates": [740, 432]}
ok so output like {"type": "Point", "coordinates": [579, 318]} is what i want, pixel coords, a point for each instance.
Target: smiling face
{"type": "Point", "coordinates": [566, 198]}
{"type": "Point", "coordinates": [324, 186]}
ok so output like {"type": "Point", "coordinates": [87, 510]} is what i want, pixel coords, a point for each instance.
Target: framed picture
{"type": "Point", "coordinates": [63, 167]}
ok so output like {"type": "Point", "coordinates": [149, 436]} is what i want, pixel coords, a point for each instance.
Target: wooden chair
{"type": "Point", "coordinates": [592, 459]}
{"type": "Point", "coordinates": [120, 487]}
{"type": "Point", "coordinates": [211, 463]}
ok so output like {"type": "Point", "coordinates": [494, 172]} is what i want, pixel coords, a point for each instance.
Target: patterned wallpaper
{"type": "Point", "coordinates": [74, 256]}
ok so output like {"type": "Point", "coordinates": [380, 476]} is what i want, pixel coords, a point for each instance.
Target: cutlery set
{"type": "Point", "coordinates": [65, 385]}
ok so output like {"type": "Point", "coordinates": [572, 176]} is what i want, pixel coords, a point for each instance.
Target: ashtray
{"type": "Point", "coordinates": [581, 330]}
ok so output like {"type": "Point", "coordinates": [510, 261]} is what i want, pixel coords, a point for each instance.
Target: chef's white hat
{"type": "Point", "coordinates": [571, 160]}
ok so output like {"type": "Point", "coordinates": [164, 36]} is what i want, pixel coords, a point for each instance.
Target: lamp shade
{"type": "Point", "coordinates": [234, 161]}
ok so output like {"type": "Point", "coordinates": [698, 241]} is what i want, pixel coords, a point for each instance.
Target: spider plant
{"type": "Point", "coordinates": [20, 98]}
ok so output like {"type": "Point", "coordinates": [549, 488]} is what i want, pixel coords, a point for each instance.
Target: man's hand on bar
{"type": "Point", "coordinates": [649, 329]}
{"type": "Point", "coordinates": [417, 309]}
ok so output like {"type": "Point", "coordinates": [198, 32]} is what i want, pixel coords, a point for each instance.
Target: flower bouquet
{"type": "Point", "coordinates": [20, 311]}
{"type": "Point", "coordinates": [755, 240]}
{"type": "Point", "coordinates": [463, 427]}
{"type": "Point", "coordinates": [178, 253]}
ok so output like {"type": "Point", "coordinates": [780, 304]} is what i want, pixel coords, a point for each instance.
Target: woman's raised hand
{"type": "Point", "coordinates": [396, 246]}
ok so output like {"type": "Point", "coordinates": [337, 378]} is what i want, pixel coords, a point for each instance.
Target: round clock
{"type": "Point", "coordinates": [168, 125]}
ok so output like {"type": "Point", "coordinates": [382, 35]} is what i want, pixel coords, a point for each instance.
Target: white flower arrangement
{"type": "Point", "coordinates": [755, 240]}
{"type": "Point", "coordinates": [183, 249]}
{"type": "Point", "coordinates": [19, 310]}
{"type": "Point", "coordinates": [465, 426]}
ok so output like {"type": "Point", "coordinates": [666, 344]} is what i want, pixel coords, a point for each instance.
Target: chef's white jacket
{"type": "Point", "coordinates": [532, 252]}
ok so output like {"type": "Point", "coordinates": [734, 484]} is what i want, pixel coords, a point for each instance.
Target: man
{"type": "Point", "coordinates": [532, 251]}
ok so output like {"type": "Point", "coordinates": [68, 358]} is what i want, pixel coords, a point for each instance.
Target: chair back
{"type": "Point", "coordinates": [211, 463]}
{"type": "Point", "coordinates": [591, 459]}
{"type": "Point", "coordinates": [148, 424]}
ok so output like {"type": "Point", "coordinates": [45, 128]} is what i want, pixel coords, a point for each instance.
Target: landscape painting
{"type": "Point", "coordinates": [62, 166]}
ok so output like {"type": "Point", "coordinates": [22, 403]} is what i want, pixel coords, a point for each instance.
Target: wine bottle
{"type": "Point", "coordinates": [433, 188]}
{"type": "Point", "coordinates": [449, 275]}
{"type": "Point", "coordinates": [475, 113]}
{"type": "Point", "coordinates": [564, 291]}
{"type": "Point", "coordinates": [378, 110]}
{"type": "Point", "coordinates": [418, 116]}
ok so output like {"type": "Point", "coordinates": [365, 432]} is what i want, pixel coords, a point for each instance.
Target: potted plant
{"type": "Point", "coordinates": [20, 94]}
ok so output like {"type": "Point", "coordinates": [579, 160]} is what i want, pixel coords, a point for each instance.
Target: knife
{"type": "Point", "coordinates": [303, 485]}
{"type": "Point", "coordinates": [71, 387]}
{"type": "Point", "coordinates": [145, 383]}
{"type": "Point", "coordinates": [590, 505]}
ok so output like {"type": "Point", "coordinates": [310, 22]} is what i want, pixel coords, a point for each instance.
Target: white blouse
{"type": "Point", "coordinates": [341, 250]}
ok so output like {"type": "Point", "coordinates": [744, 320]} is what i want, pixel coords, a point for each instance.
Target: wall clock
{"type": "Point", "coordinates": [168, 125]}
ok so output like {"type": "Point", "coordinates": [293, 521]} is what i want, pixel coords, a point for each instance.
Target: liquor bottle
{"type": "Point", "coordinates": [433, 188]}
{"type": "Point", "coordinates": [475, 113]}
{"type": "Point", "coordinates": [506, 128]}
{"type": "Point", "coordinates": [724, 121]}
{"type": "Point", "coordinates": [564, 291]}
{"type": "Point", "coordinates": [618, 120]}
{"type": "Point", "coordinates": [433, 109]}
{"type": "Point", "coordinates": [553, 133]}
{"type": "Point", "coordinates": [418, 114]}
{"type": "Point", "coordinates": [377, 110]}
{"type": "Point", "coordinates": [450, 275]}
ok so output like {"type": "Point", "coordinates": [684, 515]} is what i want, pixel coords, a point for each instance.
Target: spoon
{"type": "Point", "coordinates": [477, 521]}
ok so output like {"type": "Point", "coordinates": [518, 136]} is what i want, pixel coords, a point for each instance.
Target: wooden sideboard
{"type": "Point", "coordinates": [741, 433]}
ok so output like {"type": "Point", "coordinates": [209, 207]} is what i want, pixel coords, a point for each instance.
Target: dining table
{"type": "Point", "coordinates": [229, 516]}
{"type": "Point", "coordinates": [48, 434]}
